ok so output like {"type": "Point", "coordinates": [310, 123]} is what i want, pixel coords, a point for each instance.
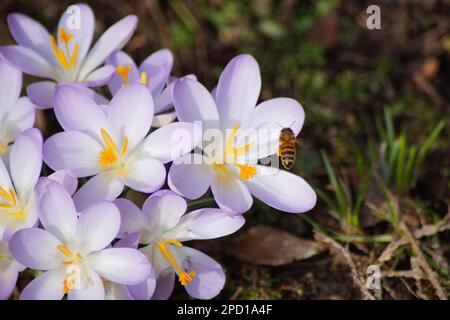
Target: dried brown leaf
{"type": "Point", "coordinates": [264, 245]}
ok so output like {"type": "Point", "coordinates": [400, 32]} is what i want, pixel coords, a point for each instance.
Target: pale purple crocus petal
{"type": "Point", "coordinates": [282, 190]}
{"type": "Point", "coordinates": [209, 279]}
{"type": "Point", "coordinates": [99, 187]}
{"type": "Point", "coordinates": [35, 248]}
{"type": "Point", "coordinates": [82, 32]}
{"type": "Point", "coordinates": [238, 90]}
{"type": "Point", "coordinates": [97, 226]}
{"type": "Point", "coordinates": [144, 290]}
{"type": "Point", "coordinates": [188, 177]}
{"type": "Point", "coordinates": [158, 67]}
{"type": "Point", "coordinates": [232, 195]}
{"type": "Point", "coordinates": [74, 151]}
{"type": "Point", "coordinates": [171, 141]}
{"type": "Point", "coordinates": [28, 61]}
{"type": "Point", "coordinates": [20, 117]}
{"type": "Point", "coordinates": [164, 209]}
{"type": "Point", "coordinates": [164, 119]}
{"type": "Point", "coordinates": [121, 58]}
{"type": "Point", "coordinates": [92, 289]}
{"type": "Point", "coordinates": [121, 265]}
{"type": "Point", "coordinates": [163, 100]}
{"type": "Point", "coordinates": [75, 110]}
{"type": "Point", "coordinates": [113, 39]}
{"type": "Point", "coordinates": [131, 216]}
{"type": "Point", "coordinates": [129, 241]}
{"type": "Point", "coordinates": [98, 98]}
{"type": "Point", "coordinates": [8, 280]}
{"type": "Point", "coordinates": [47, 286]}
{"type": "Point", "coordinates": [31, 34]}
{"type": "Point", "coordinates": [57, 211]}
{"type": "Point", "coordinates": [100, 76]}
{"type": "Point", "coordinates": [26, 161]}
{"type": "Point", "coordinates": [193, 102]}
{"type": "Point", "coordinates": [165, 284]}
{"type": "Point", "coordinates": [205, 224]}
{"type": "Point", "coordinates": [41, 93]}
{"type": "Point", "coordinates": [67, 179]}
{"type": "Point", "coordinates": [131, 112]}
{"type": "Point", "coordinates": [271, 116]}
{"type": "Point", "coordinates": [145, 175]}
{"type": "Point", "coordinates": [10, 84]}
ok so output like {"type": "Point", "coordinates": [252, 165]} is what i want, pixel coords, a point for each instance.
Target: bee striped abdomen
{"type": "Point", "coordinates": [287, 150]}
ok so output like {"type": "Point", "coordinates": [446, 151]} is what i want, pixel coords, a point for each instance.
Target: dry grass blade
{"type": "Point", "coordinates": [432, 276]}
{"type": "Point", "coordinates": [390, 250]}
{"type": "Point", "coordinates": [430, 230]}
{"type": "Point", "coordinates": [274, 247]}
{"type": "Point", "coordinates": [357, 278]}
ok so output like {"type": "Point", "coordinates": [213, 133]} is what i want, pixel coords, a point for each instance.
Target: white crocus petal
{"type": "Point", "coordinates": [5, 179]}
{"type": "Point", "coordinates": [75, 110]}
{"type": "Point", "coordinates": [171, 141]}
{"type": "Point", "coordinates": [163, 210]}
{"type": "Point", "coordinates": [231, 194]}
{"type": "Point", "coordinates": [47, 286]}
{"type": "Point", "coordinates": [189, 177]}
{"type": "Point", "coordinates": [67, 179]}
{"type": "Point", "coordinates": [113, 39]}
{"type": "Point", "coordinates": [11, 85]}
{"type": "Point", "coordinates": [82, 33]}
{"type": "Point", "coordinates": [205, 224]}
{"type": "Point", "coordinates": [57, 212]}
{"type": "Point", "coordinates": [19, 118]}
{"type": "Point", "coordinates": [100, 187]}
{"type": "Point", "coordinates": [26, 161]}
{"type": "Point", "coordinates": [238, 90]}
{"type": "Point", "coordinates": [35, 248]}
{"type": "Point", "coordinates": [282, 190]}
{"type": "Point", "coordinates": [144, 174]}
{"type": "Point", "coordinates": [100, 76]}
{"type": "Point", "coordinates": [92, 289]}
{"type": "Point", "coordinates": [193, 102]}
{"type": "Point", "coordinates": [121, 265]}
{"type": "Point", "coordinates": [132, 219]}
{"type": "Point", "coordinates": [97, 227]}
{"type": "Point", "coordinates": [28, 60]}
{"type": "Point", "coordinates": [114, 291]}
{"type": "Point", "coordinates": [41, 94]}
{"type": "Point", "coordinates": [31, 34]}
{"type": "Point", "coordinates": [73, 150]}
{"type": "Point", "coordinates": [135, 123]}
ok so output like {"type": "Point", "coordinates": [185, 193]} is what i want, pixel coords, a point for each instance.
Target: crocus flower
{"type": "Point", "coordinates": [231, 168]}
{"type": "Point", "coordinates": [17, 195]}
{"type": "Point", "coordinates": [163, 226]}
{"type": "Point", "coordinates": [9, 270]}
{"type": "Point", "coordinates": [65, 57]}
{"type": "Point", "coordinates": [16, 114]}
{"type": "Point", "coordinates": [154, 73]}
{"type": "Point", "coordinates": [73, 249]}
{"type": "Point", "coordinates": [110, 143]}
{"type": "Point", "coordinates": [115, 291]}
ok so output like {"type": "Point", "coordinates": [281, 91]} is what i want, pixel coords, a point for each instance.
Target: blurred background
{"type": "Point", "coordinates": [375, 144]}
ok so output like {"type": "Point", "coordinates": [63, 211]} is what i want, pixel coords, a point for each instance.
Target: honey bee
{"type": "Point", "coordinates": [287, 150]}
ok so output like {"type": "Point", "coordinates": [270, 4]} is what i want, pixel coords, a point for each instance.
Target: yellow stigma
{"type": "Point", "coordinates": [246, 171]}
{"type": "Point", "coordinates": [123, 72]}
{"type": "Point", "coordinates": [183, 276]}
{"type": "Point", "coordinates": [66, 59]}
{"type": "Point", "coordinates": [110, 155]}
